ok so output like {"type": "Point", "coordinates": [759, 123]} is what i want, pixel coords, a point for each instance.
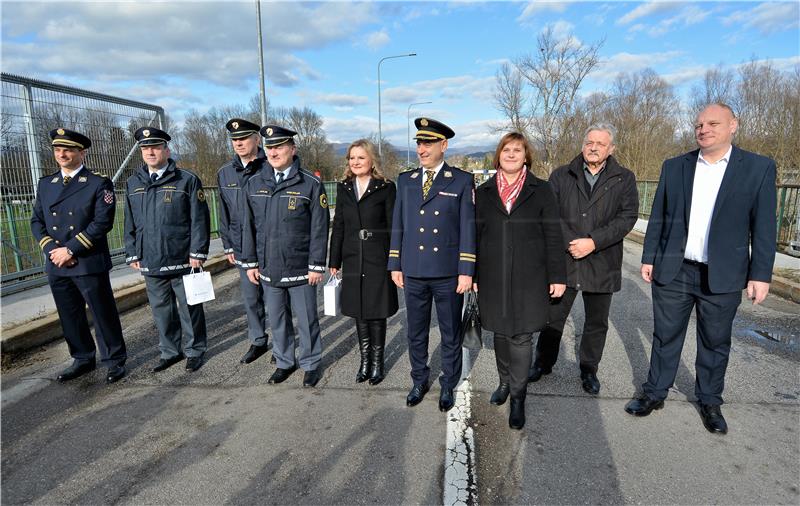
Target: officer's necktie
{"type": "Point", "coordinates": [279, 177]}
{"type": "Point", "coordinates": [428, 183]}
{"type": "Point", "coordinates": [67, 179]}
{"type": "Point", "coordinates": [153, 177]}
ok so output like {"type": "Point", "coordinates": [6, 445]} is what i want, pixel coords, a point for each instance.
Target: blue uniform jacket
{"type": "Point", "coordinates": [741, 237]}
{"type": "Point", "coordinates": [231, 180]}
{"type": "Point", "coordinates": [286, 226]}
{"type": "Point", "coordinates": [166, 222]}
{"type": "Point", "coordinates": [77, 216]}
{"type": "Point", "coordinates": [435, 237]}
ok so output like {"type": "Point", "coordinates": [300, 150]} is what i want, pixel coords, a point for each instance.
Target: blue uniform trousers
{"type": "Point", "coordinates": [419, 293]}
{"type": "Point", "coordinates": [253, 298]}
{"type": "Point", "coordinates": [301, 301]}
{"type": "Point", "coordinates": [72, 294]}
{"type": "Point", "coordinates": [672, 306]}
{"type": "Point", "coordinates": [174, 318]}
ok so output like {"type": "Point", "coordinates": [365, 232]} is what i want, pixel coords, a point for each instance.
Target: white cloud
{"type": "Point", "coordinates": [536, 7]}
{"type": "Point", "coordinates": [629, 62]}
{"type": "Point", "coordinates": [648, 9]}
{"type": "Point", "coordinates": [689, 16]}
{"type": "Point", "coordinates": [768, 17]}
{"type": "Point", "coordinates": [341, 99]}
{"type": "Point", "coordinates": [376, 40]}
{"type": "Point", "coordinates": [448, 88]}
{"type": "Point", "coordinates": [349, 129]}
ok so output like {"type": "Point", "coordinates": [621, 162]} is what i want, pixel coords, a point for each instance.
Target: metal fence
{"type": "Point", "coordinates": [787, 219]}
{"type": "Point", "coordinates": [30, 109]}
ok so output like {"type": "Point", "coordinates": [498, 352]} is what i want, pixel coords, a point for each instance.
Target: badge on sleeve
{"type": "Point", "coordinates": [323, 201]}
{"type": "Point", "coordinates": [201, 196]}
{"type": "Point", "coordinates": [108, 197]}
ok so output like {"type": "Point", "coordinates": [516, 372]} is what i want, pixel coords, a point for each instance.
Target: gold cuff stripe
{"type": "Point", "coordinates": [467, 255]}
{"type": "Point", "coordinates": [87, 243]}
{"type": "Point", "coordinates": [46, 239]}
{"type": "Point", "coordinates": [394, 255]}
{"type": "Point", "coordinates": [464, 259]}
{"type": "Point", "coordinates": [428, 132]}
{"type": "Point", "coordinates": [394, 251]}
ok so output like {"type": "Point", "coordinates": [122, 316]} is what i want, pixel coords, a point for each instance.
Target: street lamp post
{"type": "Point", "coordinates": [380, 131]}
{"type": "Point", "coordinates": [262, 93]}
{"type": "Point", "coordinates": [408, 130]}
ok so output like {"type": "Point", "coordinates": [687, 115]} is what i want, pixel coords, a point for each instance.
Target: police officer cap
{"type": "Point", "coordinates": [69, 139]}
{"type": "Point", "coordinates": [431, 130]}
{"type": "Point", "coordinates": [151, 136]}
{"type": "Point", "coordinates": [275, 135]}
{"type": "Point", "coordinates": [241, 128]}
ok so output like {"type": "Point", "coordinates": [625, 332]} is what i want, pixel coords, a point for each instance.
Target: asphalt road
{"type": "Point", "coordinates": [223, 435]}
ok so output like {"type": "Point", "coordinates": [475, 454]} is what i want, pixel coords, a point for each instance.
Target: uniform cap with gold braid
{"type": "Point", "coordinates": [151, 136]}
{"type": "Point", "coordinates": [275, 135]}
{"type": "Point", "coordinates": [431, 130]}
{"type": "Point", "coordinates": [69, 139]}
{"type": "Point", "coordinates": [241, 128]}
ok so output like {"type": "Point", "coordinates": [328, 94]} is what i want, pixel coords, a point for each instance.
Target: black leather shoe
{"type": "Point", "coordinates": [536, 373]}
{"type": "Point", "coordinates": [194, 363]}
{"type": "Point", "coordinates": [76, 370]}
{"type": "Point", "coordinates": [281, 375]}
{"type": "Point", "coordinates": [643, 406]}
{"type": "Point", "coordinates": [590, 383]}
{"type": "Point", "coordinates": [115, 373]}
{"type": "Point", "coordinates": [311, 378]}
{"type": "Point", "coordinates": [166, 363]}
{"type": "Point", "coordinates": [500, 395]}
{"type": "Point", "coordinates": [416, 394]}
{"type": "Point", "coordinates": [446, 400]}
{"type": "Point", "coordinates": [713, 420]}
{"type": "Point", "coordinates": [516, 418]}
{"type": "Point", "coordinates": [253, 353]}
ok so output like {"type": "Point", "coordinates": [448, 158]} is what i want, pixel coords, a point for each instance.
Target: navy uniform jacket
{"type": "Point", "coordinates": [286, 226]}
{"type": "Point", "coordinates": [231, 179]}
{"type": "Point", "coordinates": [435, 237]}
{"type": "Point", "coordinates": [77, 216]}
{"type": "Point", "coordinates": [741, 237]}
{"type": "Point", "coordinates": [166, 222]}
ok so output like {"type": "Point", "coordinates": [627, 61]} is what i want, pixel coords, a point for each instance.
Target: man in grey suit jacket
{"type": "Point", "coordinates": [711, 233]}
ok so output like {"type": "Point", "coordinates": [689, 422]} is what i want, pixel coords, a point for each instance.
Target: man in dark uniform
{"type": "Point", "coordinates": [166, 234]}
{"type": "Point", "coordinates": [432, 255]}
{"type": "Point", "coordinates": [286, 238]}
{"type": "Point", "coordinates": [231, 179]}
{"type": "Point", "coordinates": [74, 211]}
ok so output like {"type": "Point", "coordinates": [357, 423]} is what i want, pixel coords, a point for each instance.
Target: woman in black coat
{"type": "Point", "coordinates": [520, 265]}
{"type": "Point", "coordinates": [362, 227]}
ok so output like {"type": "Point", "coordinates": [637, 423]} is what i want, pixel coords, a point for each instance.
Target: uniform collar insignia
{"type": "Point", "coordinates": [82, 179]}
{"type": "Point", "coordinates": [54, 180]}
{"type": "Point", "coordinates": [414, 175]}
{"type": "Point", "coordinates": [447, 173]}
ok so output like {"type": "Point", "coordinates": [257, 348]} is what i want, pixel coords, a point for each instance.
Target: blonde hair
{"type": "Point", "coordinates": [374, 158]}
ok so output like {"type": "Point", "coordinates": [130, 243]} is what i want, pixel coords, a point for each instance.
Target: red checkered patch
{"type": "Point", "coordinates": [108, 197]}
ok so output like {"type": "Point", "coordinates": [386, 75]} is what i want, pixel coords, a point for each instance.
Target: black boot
{"type": "Point", "coordinates": [516, 418]}
{"type": "Point", "coordinates": [377, 332]}
{"type": "Point", "coordinates": [362, 329]}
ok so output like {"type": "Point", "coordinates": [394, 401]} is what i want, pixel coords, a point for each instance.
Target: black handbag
{"type": "Point", "coordinates": [471, 324]}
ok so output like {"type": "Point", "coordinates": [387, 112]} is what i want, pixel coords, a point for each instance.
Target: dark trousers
{"type": "Point", "coordinates": [175, 318]}
{"type": "Point", "coordinates": [672, 306]}
{"type": "Point", "coordinates": [72, 294]}
{"type": "Point", "coordinates": [301, 302]}
{"type": "Point", "coordinates": [253, 298]}
{"type": "Point", "coordinates": [419, 294]}
{"type": "Point", "coordinates": [593, 338]}
{"type": "Point", "coordinates": [513, 357]}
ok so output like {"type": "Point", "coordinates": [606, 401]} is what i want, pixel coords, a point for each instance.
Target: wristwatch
{"type": "Point", "coordinates": [70, 252]}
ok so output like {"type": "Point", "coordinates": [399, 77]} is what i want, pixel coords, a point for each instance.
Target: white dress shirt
{"type": "Point", "coordinates": [74, 172]}
{"type": "Point", "coordinates": [707, 180]}
{"type": "Point", "coordinates": [435, 171]}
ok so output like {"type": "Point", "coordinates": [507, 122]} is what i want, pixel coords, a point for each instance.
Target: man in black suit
{"type": "Point", "coordinates": [711, 233]}
{"type": "Point", "coordinates": [73, 213]}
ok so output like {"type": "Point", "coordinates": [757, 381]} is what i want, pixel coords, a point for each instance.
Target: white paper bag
{"type": "Point", "coordinates": [198, 287]}
{"type": "Point", "coordinates": [330, 294]}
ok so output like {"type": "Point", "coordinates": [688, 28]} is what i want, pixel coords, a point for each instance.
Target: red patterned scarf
{"type": "Point", "coordinates": [510, 192]}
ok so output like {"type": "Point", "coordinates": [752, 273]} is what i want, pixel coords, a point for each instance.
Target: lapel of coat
{"type": "Point", "coordinates": [576, 169]}
{"type": "Point", "coordinates": [728, 180]}
{"type": "Point", "coordinates": [442, 181]}
{"type": "Point", "coordinates": [490, 191]}
{"type": "Point", "coordinates": [78, 183]}
{"type": "Point", "coordinates": [373, 185]}
{"type": "Point", "coordinates": [687, 171]}
{"type": "Point", "coordinates": [526, 192]}
{"type": "Point", "coordinates": [611, 169]}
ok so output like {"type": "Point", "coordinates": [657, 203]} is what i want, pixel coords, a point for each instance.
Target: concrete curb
{"type": "Point", "coordinates": [779, 286]}
{"type": "Point", "coordinates": [48, 328]}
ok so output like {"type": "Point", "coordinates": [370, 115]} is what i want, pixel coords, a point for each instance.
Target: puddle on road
{"type": "Point", "coordinates": [790, 340]}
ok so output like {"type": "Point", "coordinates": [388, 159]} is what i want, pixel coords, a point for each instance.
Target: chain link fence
{"type": "Point", "coordinates": [30, 110]}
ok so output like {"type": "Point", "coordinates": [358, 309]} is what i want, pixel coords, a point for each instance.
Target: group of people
{"type": "Point", "coordinates": [526, 246]}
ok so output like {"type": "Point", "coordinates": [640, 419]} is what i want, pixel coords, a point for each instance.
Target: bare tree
{"type": "Point", "coordinates": [719, 85]}
{"type": "Point", "coordinates": [510, 100]}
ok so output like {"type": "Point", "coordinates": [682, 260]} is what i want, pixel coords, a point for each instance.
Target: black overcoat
{"type": "Point", "coordinates": [607, 215]}
{"type": "Point", "coordinates": [519, 255]}
{"type": "Point", "coordinates": [360, 248]}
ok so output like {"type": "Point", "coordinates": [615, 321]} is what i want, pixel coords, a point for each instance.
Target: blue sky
{"type": "Point", "coordinates": [195, 55]}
